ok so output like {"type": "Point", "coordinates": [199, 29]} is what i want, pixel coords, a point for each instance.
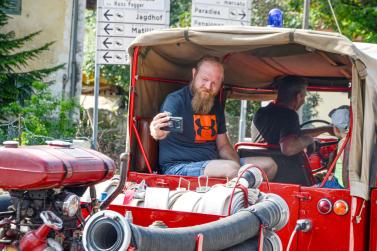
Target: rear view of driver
{"type": "Point", "coordinates": [278, 123]}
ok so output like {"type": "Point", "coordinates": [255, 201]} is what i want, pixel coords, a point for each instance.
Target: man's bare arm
{"type": "Point", "coordinates": [292, 145]}
{"type": "Point", "coordinates": [313, 132]}
{"type": "Point", "coordinates": [225, 149]}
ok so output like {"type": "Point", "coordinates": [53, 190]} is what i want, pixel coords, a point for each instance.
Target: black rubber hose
{"type": "Point", "coordinates": [271, 242]}
{"type": "Point", "coordinates": [248, 245]}
{"type": "Point", "coordinates": [272, 212]}
{"type": "Point", "coordinates": [122, 181]}
{"type": "Point", "coordinates": [218, 235]}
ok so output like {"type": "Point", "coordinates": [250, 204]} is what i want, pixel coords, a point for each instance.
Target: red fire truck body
{"type": "Point", "coordinates": [320, 218]}
{"type": "Point", "coordinates": [161, 63]}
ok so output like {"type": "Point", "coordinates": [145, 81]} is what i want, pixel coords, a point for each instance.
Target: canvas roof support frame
{"type": "Point", "coordinates": [159, 49]}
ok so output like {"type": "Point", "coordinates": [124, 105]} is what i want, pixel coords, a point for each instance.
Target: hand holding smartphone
{"type": "Point", "coordinates": [175, 124]}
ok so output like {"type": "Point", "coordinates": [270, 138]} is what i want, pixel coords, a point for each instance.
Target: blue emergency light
{"type": "Point", "coordinates": [275, 18]}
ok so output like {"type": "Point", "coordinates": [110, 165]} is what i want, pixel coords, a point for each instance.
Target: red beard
{"type": "Point", "coordinates": [202, 101]}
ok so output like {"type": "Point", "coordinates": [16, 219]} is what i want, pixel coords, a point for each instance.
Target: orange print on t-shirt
{"type": "Point", "coordinates": [205, 128]}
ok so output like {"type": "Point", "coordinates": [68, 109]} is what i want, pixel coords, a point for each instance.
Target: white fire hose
{"type": "Point", "coordinates": [218, 200]}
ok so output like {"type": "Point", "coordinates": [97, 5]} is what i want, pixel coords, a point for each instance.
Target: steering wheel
{"type": "Point", "coordinates": [314, 121]}
{"type": "Point", "coordinates": [321, 144]}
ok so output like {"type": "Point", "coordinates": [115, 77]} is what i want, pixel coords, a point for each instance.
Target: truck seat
{"type": "Point", "coordinates": [292, 169]}
{"type": "Point", "coordinates": [150, 147]}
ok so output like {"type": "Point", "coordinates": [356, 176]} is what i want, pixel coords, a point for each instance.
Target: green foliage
{"type": "Point", "coordinates": [112, 131]}
{"type": "Point", "coordinates": [89, 43]}
{"type": "Point", "coordinates": [233, 108]}
{"type": "Point", "coordinates": [312, 101]}
{"type": "Point", "coordinates": [15, 84]}
{"type": "Point", "coordinates": [41, 117]}
{"type": "Point", "coordinates": [180, 13]}
{"type": "Point", "coordinates": [260, 9]}
{"type": "Point", "coordinates": [357, 18]}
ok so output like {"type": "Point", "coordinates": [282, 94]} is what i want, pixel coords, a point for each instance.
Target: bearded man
{"type": "Point", "coordinates": [203, 148]}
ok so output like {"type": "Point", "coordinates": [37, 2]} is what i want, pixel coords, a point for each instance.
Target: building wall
{"type": "Point", "coordinates": [331, 100]}
{"type": "Point", "coordinates": [54, 18]}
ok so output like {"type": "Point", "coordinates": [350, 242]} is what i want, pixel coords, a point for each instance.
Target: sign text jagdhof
{"type": "Point", "coordinates": [120, 21]}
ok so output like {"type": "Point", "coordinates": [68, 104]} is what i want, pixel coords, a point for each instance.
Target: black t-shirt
{"type": "Point", "coordinates": [273, 123]}
{"type": "Point", "coordinates": [198, 140]}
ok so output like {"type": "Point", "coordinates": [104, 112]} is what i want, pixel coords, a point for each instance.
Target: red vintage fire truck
{"type": "Point", "coordinates": [273, 215]}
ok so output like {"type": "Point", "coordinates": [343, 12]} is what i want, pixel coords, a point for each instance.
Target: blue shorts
{"type": "Point", "coordinates": [242, 161]}
{"type": "Point", "coordinates": [187, 168]}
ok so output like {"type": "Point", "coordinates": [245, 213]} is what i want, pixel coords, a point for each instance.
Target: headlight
{"type": "Point", "coordinates": [71, 205]}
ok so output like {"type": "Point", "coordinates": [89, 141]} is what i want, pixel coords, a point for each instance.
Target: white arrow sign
{"type": "Point", "coordinates": [245, 4]}
{"type": "Point", "coordinates": [202, 21]}
{"type": "Point", "coordinates": [136, 4]}
{"type": "Point", "coordinates": [213, 11]}
{"type": "Point", "coordinates": [112, 57]}
{"type": "Point", "coordinates": [114, 43]}
{"type": "Point", "coordinates": [133, 16]}
{"type": "Point", "coordinates": [220, 12]}
{"type": "Point", "coordinates": [120, 21]}
{"type": "Point", "coordinates": [125, 30]}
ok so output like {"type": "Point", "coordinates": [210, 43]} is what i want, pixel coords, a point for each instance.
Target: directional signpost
{"type": "Point", "coordinates": [118, 23]}
{"type": "Point", "coordinates": [220, 12]}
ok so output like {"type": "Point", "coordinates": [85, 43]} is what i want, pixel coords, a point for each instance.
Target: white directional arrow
{"type": "Point", "coordinates": [107, 15]}
{"type": "Point", "coordinates": [113, 43]}
{"type": "Point", "coordinates": [112, 57]}
{"type": "Point", "coordinates": [237, 14]}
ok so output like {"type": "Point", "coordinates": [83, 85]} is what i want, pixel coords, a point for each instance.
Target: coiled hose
{"type": "Point", "coordinates": [228, 232]}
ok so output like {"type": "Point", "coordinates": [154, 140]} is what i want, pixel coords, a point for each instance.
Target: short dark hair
{"type": "Point", "coordinates": [289, 87]}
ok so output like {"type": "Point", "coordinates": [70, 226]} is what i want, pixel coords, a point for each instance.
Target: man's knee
{"type": "Point", "coordinates": [267, 164]}
{"type": "Point", "coordinates": [271, 169]}
{"type": "Point", "coordinates": [222, 168]}
{"type": "Point", "coordinates": [232, 168]}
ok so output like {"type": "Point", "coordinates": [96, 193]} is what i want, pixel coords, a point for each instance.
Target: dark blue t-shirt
{"type": "Point", "coordinates": [273, 123]}
{"type": "Point", "coordinates": [198, 140]}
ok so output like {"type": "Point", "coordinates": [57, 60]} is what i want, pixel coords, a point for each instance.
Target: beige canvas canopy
{"type": "Point", "coordinates": [253, 57]}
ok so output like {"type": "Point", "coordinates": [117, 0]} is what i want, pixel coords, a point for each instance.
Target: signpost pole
{"type": "Point", "coordinates": [96, 94]}
{"type": "Point", "coordinates": [305, 18]}
{"type": "Point", "coordinates": [95, 109]}
{"type": "Point", "coordinates": [242, 124]}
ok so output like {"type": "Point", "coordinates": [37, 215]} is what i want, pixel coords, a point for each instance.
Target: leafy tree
{"type": "Point", "coordinates": [180, 13]}
{"type": "Point", "coordinates": [40, 118]}
{"type": "Point", "coordinates": [260, 9]}
{"type": "Point", "coordinates": [15, 83]}
{"type": "Point", "coordinates": [357, 18]}
{"type": "Point", "coordinates": [308, 110]}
